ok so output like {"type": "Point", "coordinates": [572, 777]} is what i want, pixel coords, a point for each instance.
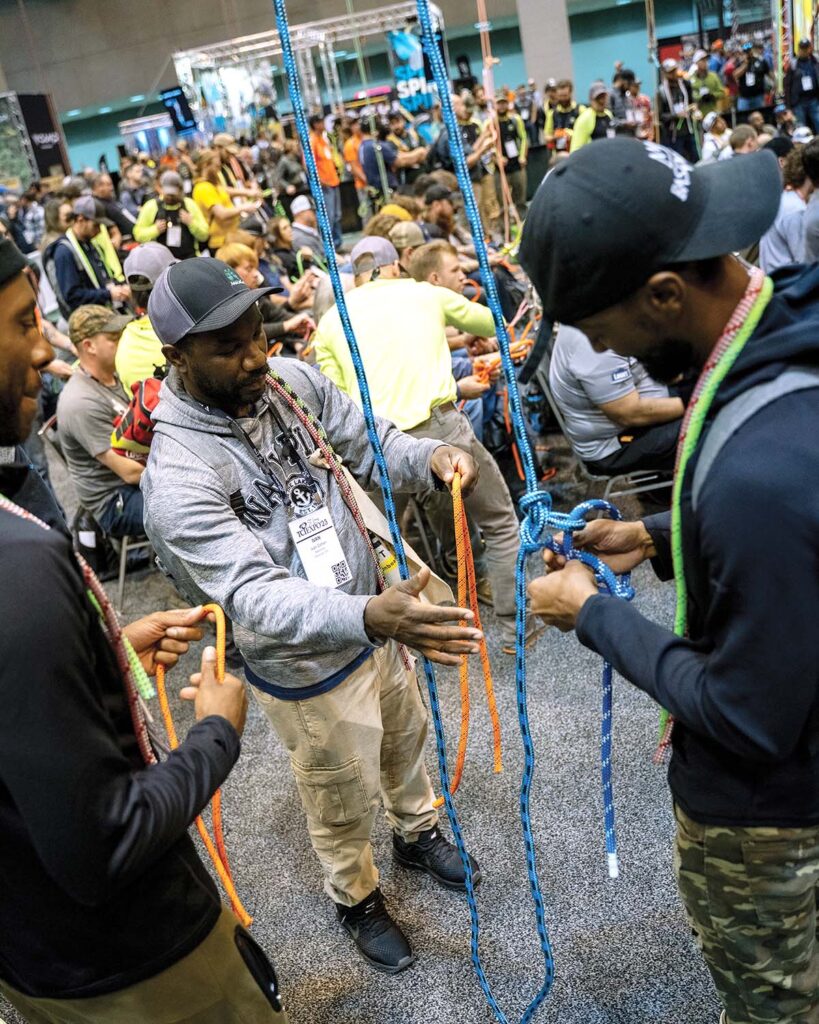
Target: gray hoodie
{"type": "Point", "coordinates": [220, 529]}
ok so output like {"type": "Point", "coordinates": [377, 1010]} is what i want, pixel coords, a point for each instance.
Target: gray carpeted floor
{"type": "Point", "coordinates": [623, 952]}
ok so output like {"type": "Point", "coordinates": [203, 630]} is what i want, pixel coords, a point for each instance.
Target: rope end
{"type": "Point", "coordinates": [613, 865]}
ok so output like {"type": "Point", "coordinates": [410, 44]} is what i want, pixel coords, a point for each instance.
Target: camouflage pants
{"type": "Point", "coordinates": [751, 898]}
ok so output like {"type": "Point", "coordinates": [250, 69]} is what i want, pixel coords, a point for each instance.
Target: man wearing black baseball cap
{"type": "Point", "coordinates": [243, 511]}
{"type": "Point", "coordinates": [633, 246]}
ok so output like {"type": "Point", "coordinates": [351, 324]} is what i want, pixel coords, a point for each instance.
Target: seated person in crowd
{"type": "Point", "coordinates": [75, 266]}
{"type": "Point", "coordinates": [172, 219]}
{"type": "Point", "coordinates": [406, 236]}
{"type": "Point", "coordinates": [305, 232]}
{"type": "Point", "coordinates": [292, 260]}
{"type": "Point", "coordinates": [139, 352]}
{"type": "Point", "coordinates": [280, 322]}
{"type": "Point", "coordinates": [617, 418]}
{"type": "Point", "coordinates": [107, 483]}
{"type": "Point", "coordinates": [214, 199]}
{"type": "Point", "coordinates": [744, 139]}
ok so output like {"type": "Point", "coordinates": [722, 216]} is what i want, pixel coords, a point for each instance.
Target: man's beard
{"type": "Point", "coordinates": [221, 395]}
{"type": "Point", "coordinates": [666, 361]}
{"type": "Point", "coordinates": [446, 222]}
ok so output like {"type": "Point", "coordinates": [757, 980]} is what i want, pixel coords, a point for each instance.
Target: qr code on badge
{"type": "Point", "coordinates": [341, 573]}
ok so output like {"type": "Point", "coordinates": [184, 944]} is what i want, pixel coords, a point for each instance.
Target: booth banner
{"type": "Point", "coordinates": [415, 87]}
{"type": "Point", "coordinates": [802, 21]}
{"type": "Point", "coordinates": [45, 134]}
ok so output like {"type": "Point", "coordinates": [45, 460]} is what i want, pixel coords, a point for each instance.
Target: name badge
{"type": "Point", "coordinates": [750, 79]}
{"type": "Point", "coordinates": [610, 133]}
{"type": "Point", "coordinates": [187, 186]}
{"type": "Point", "coordinates": [173, 236]}
{"type": "Point", "coordinates": [807, 83]}
{"type": "Point", "coordinates": [630, 118]}
{"type": "Point", "coordinates": [510, 148]}
{"type": "Point", "coordinates": [679, 109]}
{"type": "Point", "coordinates": [319, 549]}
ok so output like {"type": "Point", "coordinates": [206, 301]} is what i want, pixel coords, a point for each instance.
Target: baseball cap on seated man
{"type": "Point", "coordinates": [437, 193]}
{"type": "Point", "coordinates": [171, 184]}
{"type": "Point", "coordinates": [371, 252]}
{"type": "Point", "coordinates": [301, 204]}
{"type": "Point", "coordinates": [86, 321]}
{"type": "Point", "coordinates": [147, 261]}
{"type": "Point", "coordinates": [197, 296]}
{"type": "Point", "coordinates": [598, 89]}
{"type": "Point", "coordinates": [603, 221]}
{"type": "Point", "coordinates": [225, 141]}
{"type": "Point", "coordinates": [91, 209]}
{"type": "Point", "coordinates": [406, 234]}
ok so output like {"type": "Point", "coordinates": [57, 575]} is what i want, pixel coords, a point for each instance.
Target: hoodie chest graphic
{"type": "Point", "coordinates": [286, 483]}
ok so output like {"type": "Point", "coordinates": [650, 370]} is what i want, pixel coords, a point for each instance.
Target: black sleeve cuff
{"type": "Point", "coordinates": [659, 529]}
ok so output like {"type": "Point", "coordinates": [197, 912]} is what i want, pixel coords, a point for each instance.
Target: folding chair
{"type": "Point", "coordinates": [634, 482]}
{"type": "Point", "coordinates": [122, 545]}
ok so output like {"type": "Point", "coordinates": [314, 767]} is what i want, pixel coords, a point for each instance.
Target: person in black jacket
{"type": "Point", "coordinates": [107, 913]}
{"type": "Point", "coordinates": [742, 683]}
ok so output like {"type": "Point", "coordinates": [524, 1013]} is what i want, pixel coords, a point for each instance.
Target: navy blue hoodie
{"type": "Point", "coordinates": [744, 685]}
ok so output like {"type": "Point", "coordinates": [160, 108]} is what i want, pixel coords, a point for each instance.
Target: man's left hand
{"type": "Point", "coordinates": [447, 461]}
{"type": "Point", "coordinates": [161, 637]}
{"type": "Point", "coordinates": [558, 597]}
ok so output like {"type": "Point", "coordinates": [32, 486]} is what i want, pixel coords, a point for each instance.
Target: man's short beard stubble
{"type": "Point", "coordinates": [668, 359]}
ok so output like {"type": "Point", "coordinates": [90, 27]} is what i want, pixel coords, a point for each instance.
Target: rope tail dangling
{"type": "Point", "coordinates": [297, 102]}
{"type": "Point", "coordinates": [467, 591]}
{"type": "Point", "coordinates": [216, 850]}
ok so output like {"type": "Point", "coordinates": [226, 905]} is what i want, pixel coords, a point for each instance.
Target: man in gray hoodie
{"type": "Point", "coordinates": [242, 512]}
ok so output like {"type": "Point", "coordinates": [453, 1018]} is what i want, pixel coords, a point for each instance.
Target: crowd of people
{"type": "Point", "coordinates": [200, 392]}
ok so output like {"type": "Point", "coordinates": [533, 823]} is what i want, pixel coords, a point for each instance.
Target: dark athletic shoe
{"type": "Point", "coordinates": [437, 856]}
{"type": "Point", "coordinates": [378, 938]}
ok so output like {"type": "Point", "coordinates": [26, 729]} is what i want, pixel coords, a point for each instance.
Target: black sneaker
{"type": "Point", "coordinates": [378, 938]}
{"type": "Point", "coordinates": [435, 855]}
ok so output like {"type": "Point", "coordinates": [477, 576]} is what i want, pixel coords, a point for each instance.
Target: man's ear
{"type": "Point", "coordinates": [665, 293]}
{"type": "Point", "coordinates": [173, 356]}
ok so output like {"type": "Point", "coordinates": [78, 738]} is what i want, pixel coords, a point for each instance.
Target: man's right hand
{"type": "Point", "coordinates": [161, 225]}
{"type": "Point", "coordinates": [119, 292]}
{"type": "Point", "coordinates": [399, 614]}
{"type": "Point", "coordinates": [622, 546]}
{"type": "Point", "coordinates": [211, 697]}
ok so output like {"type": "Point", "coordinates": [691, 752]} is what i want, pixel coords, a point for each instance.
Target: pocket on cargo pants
{"type": "Point", "coordinates": [332, 795]}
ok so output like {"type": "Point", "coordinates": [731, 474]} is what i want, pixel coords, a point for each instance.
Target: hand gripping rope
{"type": "Point", "coordinates": [536, 504]}
{"type": "Point", "coordinates": [216, 851]}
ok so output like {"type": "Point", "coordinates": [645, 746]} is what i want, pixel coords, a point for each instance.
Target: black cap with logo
{"type": "Point", "coordinates": [603, 221]}
{"type": "Point", "coordinates": [199, 295]}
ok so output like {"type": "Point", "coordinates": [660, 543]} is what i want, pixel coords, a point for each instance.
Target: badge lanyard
{"type": "Point", "coordinates": [311, 527]}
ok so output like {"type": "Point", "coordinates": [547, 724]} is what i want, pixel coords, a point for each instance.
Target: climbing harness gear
{"type": "Point", "coordinates": [216, 851]}
{"type": "Point", "coordinates": [467, 591]}
{"type": "Point", "coordinates": [742, 324]}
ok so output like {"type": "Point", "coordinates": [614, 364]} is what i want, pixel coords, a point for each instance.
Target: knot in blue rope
{"type": "Point", "coordinates": [537, 512]}
{"type": "Point", "coordinates": [618, 585]}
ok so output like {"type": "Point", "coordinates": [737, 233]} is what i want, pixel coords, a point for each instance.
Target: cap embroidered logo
{"type": "Point", "coordinates": [232, 276]}
{"type": "Point", "coordinates": [681, 185]}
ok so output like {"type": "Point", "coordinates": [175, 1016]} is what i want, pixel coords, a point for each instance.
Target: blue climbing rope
{"type": "Point", "coordinates": [386, 487]}
{"type": "Point", "coordinates": [539, 524]}
{"type": "Point", "coordinates": [539, 517]}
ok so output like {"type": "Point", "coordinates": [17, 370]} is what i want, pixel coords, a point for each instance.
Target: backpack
{"type": "Point", "coordinates": [134, 430]}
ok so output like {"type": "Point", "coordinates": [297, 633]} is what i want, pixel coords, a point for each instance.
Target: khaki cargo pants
{"type": "Point", "coordinates": [750, 894]}
{"type": "Point", "coordinates": [352, 748]}
{"type": "Point", "coordinates": [211, 985]}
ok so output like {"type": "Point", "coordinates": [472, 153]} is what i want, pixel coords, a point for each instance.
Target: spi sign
{"type": "Point", "coordinates": [416, 91]}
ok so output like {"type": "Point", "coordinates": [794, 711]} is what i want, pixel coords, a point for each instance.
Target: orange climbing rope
{"type": "Point", "coordinates": [216, 851]}
{"type": "Point", "coordinates": [467, 587]}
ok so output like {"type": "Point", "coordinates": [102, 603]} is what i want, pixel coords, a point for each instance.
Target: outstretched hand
{"type": "Point", "coordinates": [433, 630]}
